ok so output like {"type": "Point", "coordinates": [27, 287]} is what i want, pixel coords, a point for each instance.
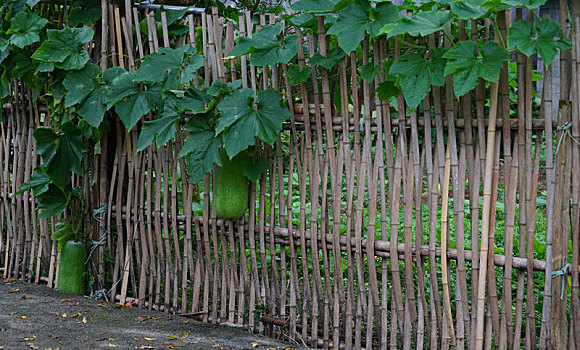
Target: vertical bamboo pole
{"type": "Point", "coordinates": [485, 225]}
{"type": "Point", "coordinates": [444, 229]}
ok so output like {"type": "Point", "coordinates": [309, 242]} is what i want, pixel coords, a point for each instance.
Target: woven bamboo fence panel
{"type": "Point", "coordinates": [360, 234]}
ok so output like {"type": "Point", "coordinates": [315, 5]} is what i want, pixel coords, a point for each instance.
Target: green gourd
{"type": "Point", "coordinates": [71, 268]}
{"type": "Point", "coordinates": [231, 188]}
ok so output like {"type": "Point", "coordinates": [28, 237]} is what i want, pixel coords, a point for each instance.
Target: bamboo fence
{"type": "Point", "coordinates": [344, 245]}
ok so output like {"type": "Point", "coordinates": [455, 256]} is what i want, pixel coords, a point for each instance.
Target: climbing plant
{"type": "Point", "coordinates": [51, 59]}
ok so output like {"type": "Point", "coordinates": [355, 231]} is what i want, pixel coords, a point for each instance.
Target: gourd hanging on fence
{"type": "Point", "coordinates": [231, 187]}
{"type": "Point", "coordinates": [71, 268]}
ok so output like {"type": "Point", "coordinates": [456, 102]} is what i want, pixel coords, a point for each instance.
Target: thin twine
{"type": "Point", "coordinates": [566, 130]}
{"type": "Point", "coordinates": [562, 272]}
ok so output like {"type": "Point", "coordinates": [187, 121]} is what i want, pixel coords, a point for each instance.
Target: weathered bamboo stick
{"type": "Point", "coordinates": [485, 225]}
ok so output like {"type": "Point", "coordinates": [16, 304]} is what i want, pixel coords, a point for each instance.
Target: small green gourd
{"type": "Point", "coordinates": [71, 268]}
{"type": "Point", "coordinates": [231, 188]}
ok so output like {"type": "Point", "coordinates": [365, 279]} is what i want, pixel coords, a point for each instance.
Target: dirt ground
{"type": "Point", "coordinates": [36, 317]}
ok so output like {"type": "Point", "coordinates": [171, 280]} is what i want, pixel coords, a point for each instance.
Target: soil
{"type": "Point", "coordinates": [37, 317]}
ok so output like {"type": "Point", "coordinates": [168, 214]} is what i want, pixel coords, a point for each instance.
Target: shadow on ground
{"type": "Point", "coordinates": [36, 317]}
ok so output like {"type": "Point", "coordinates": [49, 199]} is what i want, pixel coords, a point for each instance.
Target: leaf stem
{"type": "Point", "coordinates": [410, 44]}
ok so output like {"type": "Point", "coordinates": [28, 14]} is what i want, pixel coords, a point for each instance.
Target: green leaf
{"type": "Point", "coordinates": [91, 93]}
{"type": "Point", "coordinates": [254, 169]}
{"type": "Point", "coordinates": [194, 100]}
{"type": "Point", "coordinates": [265, 46]}
{"type": "Point", "coordinates": [84, 12]}
{"type": "Point", "coordinates": [219, 88]}
{"type": "Point", "coordinates": [25, 29]}
{"type": "Point", "coordinates": [52, 202]}
{"type": "Point", "coordinates": [540, 39]}
{"type": "Point", "coordinates": [62, 154]}
{"type": "Point", "coordinates": [417, 74]}
{"type": "Point", "coordinates": [469, 9]}
{"type": "Point", "coordinates": [161, 130]}
{"type": "Point", "coordinates": [332, 58]}
{"type": "Point", "coordinates": [387, 89]}
{"type": "Point", "coordinates": [80, 84]}
{"type": "Point", "coordinates": [46, 140]}
{"type": "Point", "coordinates": [172, 16]}
{"type": "Point", "coordinates": [368, 72]}
{"type": "Point", "coordinates": [63, 47]}
{"type": "Point", "coordinates": [38, 183]}
{"type": "Point", "coordinates": [529, 4]}
{"type": "Point", "coordinates": [32, 3]}
{"type": "Point", "coordinates": [170, 67]}
{"type": "Point", "coordinates": [298, 76]}
{"type": "Point", "coordinates": [466, 66]}
{"type": "Point", "coordinates": [201, 147]}
{"type": "Point", "coordinates": [44, 67]}
{"type": "Point", "coordinates": [423, 24]}
{"type": "Point", "coordinates": [131, 103]}
{"type": "Point", "coordinates": [240, 123]}
{"type": "Point", "coordinates": [314, 6]}
{"type": "Point", "coordinates": [359, 18]}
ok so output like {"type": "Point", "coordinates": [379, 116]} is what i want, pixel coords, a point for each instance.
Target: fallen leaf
{"type": "Point", "coordinates": [63, 315]}
{"type": "Point", "coordinates": [84, 320]}
{"type": "Point", "coordinates": [77, 304]}
{"type": "Point", "coordinates": [128, 304]}
{"type": "Point", "coordinates": [10, 280]}
{"type": "Point", "coordinates": [13, 290]}
{"type": "Point", "coordinates": [24, 317]}
{"type": "Point", "coordinates": [136, 338]}
{"type": "Point", "coordinates": [113, 345]}
{"type": "Point", "coordinates": [33, 338]}
{"type": "Point", "coordinates": [213, 341]}
{"type": "Point", "coordinates": [23, 297]}
{"type": "Point", "coordinates": [32, 346]}
{"type": "Point", "coordinates": [65, 300]}
{"type": "Point", "coordinates": [171, 346]}
{"type": "Point", "coordinates": [190, 341]}
{"type": "Point", "coordinates": [185, 321]}
{"type": "Point", "coordinates": [12, 313]}
{"type": "Point", "coordinates": [169, 336]}
{"type": "Point", "coordinates": [146, 347]}
{"type": "Point", "coordinates": [184, 335]}
{"type": "Point", "coordinates": [149, 339]}
{"type": "Point", "coordinates": [255, 344]}
{"type": "Point", "coordinates": [78, 314]}
{"type": "Point", "coordinates": [141, 318]}
{"type": "Point", "coordinates": [102, 305]}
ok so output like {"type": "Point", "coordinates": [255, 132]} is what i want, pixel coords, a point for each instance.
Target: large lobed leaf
{"type": "Point", "coordinates": [266, 48]}
{"type": "Point", "coordinates": [170, 67]}
{"type": "Point", "coordinates": [423, 24]}
{"type": "Point", "coordinates": [62, 153]}
{"type": "Point", "coordinates": [201, 147]}
{"type": "Point", "coordinates": [240, 122]}
{"type": "Point", "coordinates": [416, 74]}
{"type": "Point", "coordinates": [467, 66]}
{"type": "Point", "coordinates": [63, 48]}
{"type": "Point", "coordinates": [91, 92]}
{"type": "Point", "coordinates": [359, 18]}
{"type": "Point", "coordinates": [541, 39]}
{"type": "Point", "coordinates": [132, 102]}
{"type": "Point", "coordinates": [25, 29]}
